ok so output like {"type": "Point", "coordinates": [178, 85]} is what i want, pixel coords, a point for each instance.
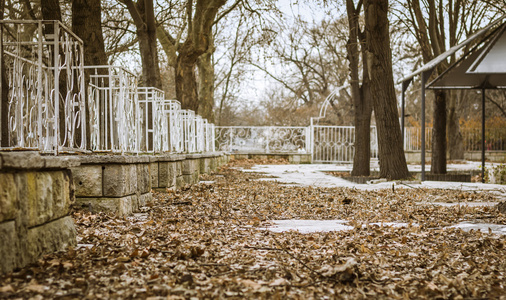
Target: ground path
{"type": "Point", "coordinates": [211, 241]}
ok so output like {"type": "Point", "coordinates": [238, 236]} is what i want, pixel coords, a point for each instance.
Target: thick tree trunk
{"type": "Point", "coordinates": [147, 45]}
{"type": "Point", "coordinates": [87, 24]}
{"type": "Point", "coordinates": [362, 159]}
{"type": "Point", "coordinates": [438, 161]}
{"type": "Point", "coordinates": [206, 85]}
{"type": "Point", "coordinates": [391, 153]}
{"type": "Point", "coordinates": [360, 95]}
{"type": "Point", "coordinates": [51, 11]}
{"type": "Point", "coordinates": [186, 81]}
{"type": "Point", "coordinates": [4, 101]}
{"type": "Point", "coordinates": [455, 139]}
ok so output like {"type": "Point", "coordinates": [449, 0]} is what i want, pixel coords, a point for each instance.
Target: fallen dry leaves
{"type": "Point", "coordinates": [209, 241]}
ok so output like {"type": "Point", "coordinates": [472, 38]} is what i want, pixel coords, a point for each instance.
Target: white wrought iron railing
{"type": "Point", "coordinates": [210, 135]}
{"type": "Point", "coordinates": [189, 132]}
{"type": "Point", "coordinates": [175, 123]}
{"type": "Point", "coordinates": [112, 106]}
{"type": "Point", "coordinates": [495, 139]}
{"type": "Point", "coordinates": [263, 139]}
{"type": "Point", "coordinates": [44, 107]}
{"type": "Point", "coordinates": [150, 102]}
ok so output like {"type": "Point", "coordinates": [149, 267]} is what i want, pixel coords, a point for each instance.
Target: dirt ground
{"type": "Point", "coordinates": [210, 241]}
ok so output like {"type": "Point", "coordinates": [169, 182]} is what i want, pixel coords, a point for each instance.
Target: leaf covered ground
{"type": "Point", "coordinates": [210, 241]}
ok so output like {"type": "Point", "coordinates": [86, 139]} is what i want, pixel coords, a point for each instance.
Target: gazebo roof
{"type": "Point", "coordinates": [493, 53]}
{"type": "Point", "coordinates": [482, 67]}
{"type": "Point", "coordinates": [485, 67]}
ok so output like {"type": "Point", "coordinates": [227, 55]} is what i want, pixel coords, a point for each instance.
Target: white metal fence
{"type": "Point", "coordinates": [263, 139]}
{"type": "Point", "coordinates": [52, 103]}
{"type": "Point", "coordinates": [43, 105]}
{"type": "Point", "coordinates": [495, 139]}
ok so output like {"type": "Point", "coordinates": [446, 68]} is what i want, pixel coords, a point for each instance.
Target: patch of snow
{"type": "Point", "coordinates": [314, 175]}
{"type": "Point", "coordinates": [470, 204]}
{"type": "Point", "coordinates": [310, 226]}
{"type": "Point", "coordinates": [483, 227]}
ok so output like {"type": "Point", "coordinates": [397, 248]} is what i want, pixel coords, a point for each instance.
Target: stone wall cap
{"type": "Point", "coordinates": [21, 160]}
{"type": "Point", "coordinates": [31, 160]}
{"type": "Point", "coordinates": [167, 157]}
{"type": "Point", "coordinates": [113, 159]}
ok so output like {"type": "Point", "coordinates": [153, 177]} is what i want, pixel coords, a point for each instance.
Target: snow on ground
{"type": "Point", "coordinates": [309, 226]}
{"type": "Point", "coordinates": [314, 175]}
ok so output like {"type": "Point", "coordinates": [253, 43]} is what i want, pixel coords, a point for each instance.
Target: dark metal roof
{"type": "Point", "coordinates": [437, 60]}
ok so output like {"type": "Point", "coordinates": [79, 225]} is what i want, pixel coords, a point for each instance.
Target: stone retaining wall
{"type": "Point", "coordinates": [121, 183]}
{"type": "Point", "coordinates": [36, 193]}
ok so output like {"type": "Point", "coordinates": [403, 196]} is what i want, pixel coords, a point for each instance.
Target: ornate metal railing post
{"type": "Point", "coordinates": [43, 96]}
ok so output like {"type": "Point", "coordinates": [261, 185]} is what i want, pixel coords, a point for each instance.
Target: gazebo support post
{"type": "Point", "coordinates": [483, 91]}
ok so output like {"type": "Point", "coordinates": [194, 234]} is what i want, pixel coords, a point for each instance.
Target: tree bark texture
{"type": "Point", "coordinates": [455, 138]}
{"type": "Point", "coordinates": [206, 85]}
{"type": "Point", "coordinates": [438, 161]}
{"type": "Point", "coordinates": [186, 81]}
{"type": "Point", "coordinates": [4, 101]}
{"type": "Point", "coordinates": [360, 94]}
{"type": "Point", "coordinates": [143, 15]}
{"type": "Point", "coordinates": [51, 11]}
{"type": "Point", "coordinates": [196, 44]}
{"type": "Point", "coordinates": [391, 154]}
{"type": "Point", "coordinates": [87, 24]}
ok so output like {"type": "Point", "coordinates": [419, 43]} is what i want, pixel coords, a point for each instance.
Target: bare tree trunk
{"type": "Point", "coordinates": [51, 11]}
{"type": "Point", "coordinates": [206, 84]}
{"type": "Point", "coordinates": [360, 94]}
{"type": "Point", "coordinates": [186, 80]}
{"type": "Point", "coordinates": [455, 139]}
{"type": "Point", "coordinates": [438, 161]}
{"type": "Point", "coordinates": [142, 13]}
{"type": "Point", "coordinates": [391, 154]}
{"type": "Point", "coordinates": [87, 24]}
{"type": "Point", "coordinates": [4, 102]}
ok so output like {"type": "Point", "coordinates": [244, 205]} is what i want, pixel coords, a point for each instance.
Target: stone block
{"type": "Point", "coordinates": [153, 171]}
{"type": "Point", "coordinates": [167, 174]}
{"type": "Point", "coordinates": [22, 160]}
{"type": "Point", "coordinates": [88, 180]}
{"type": "Point", "coordinates": [119, 180]}
{"type": "Point", "coordinates": [190, 166]}
{"type": "Point", "coordinates": [191, 179]}
{"type": "Point", "coordinates": [143, 178]}
{"type": "Point", "coordinates": [205, 165]}
{"type": "Point", "coordinates": [294, 159]}
{"type": "Point", "coordinates": [61, 162]}
{"type": "Point", "coordinates": [47, 196]}
{"type": "Point", "coordinates": [8, 247]}
{"type": "Point", "coordinates": [180, 182]}
{"type": "Point", "coordinates": [179, 168]}
{"type": "Point", "coordinates": [144, 199]}
{"type": "Point", "coordinates": [8, 196]}
{"type": "Point", "coordinates": [121, 206]}
{"type": "Point", "coordinates": [213, 163]}
{"type": "Point", "coordinates": [51, 237]}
